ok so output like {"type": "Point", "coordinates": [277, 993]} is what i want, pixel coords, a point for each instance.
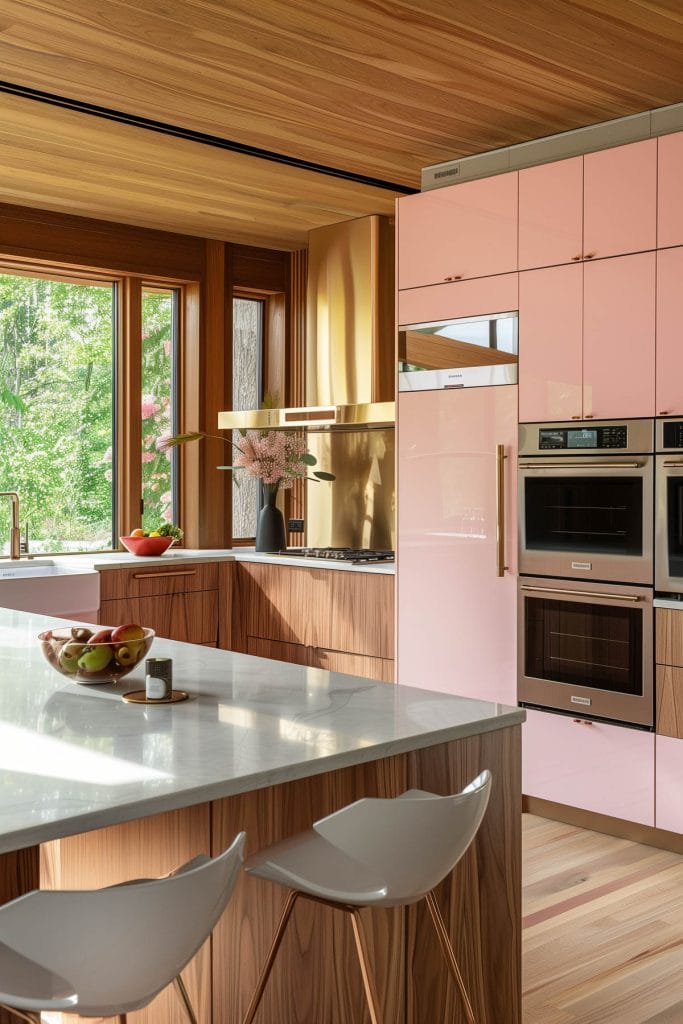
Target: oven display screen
{"type": "Point", "coordinates": [582, 439]}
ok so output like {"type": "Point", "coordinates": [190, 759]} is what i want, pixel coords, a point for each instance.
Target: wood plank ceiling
{"type": "Point", "coordinates": [376, 88]}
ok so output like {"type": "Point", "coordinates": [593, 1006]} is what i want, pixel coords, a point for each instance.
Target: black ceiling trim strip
{"type": "Point", "coordinates": [202, 138]}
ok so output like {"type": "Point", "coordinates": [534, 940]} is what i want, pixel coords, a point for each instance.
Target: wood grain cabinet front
{"type": "Point", "coordinates": [178, 603]}
{"type": "Point", "coordinates": [456, 232]}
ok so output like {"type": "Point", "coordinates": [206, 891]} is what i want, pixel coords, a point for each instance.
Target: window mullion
{"type": "Point", "coordinates": [128, 425]}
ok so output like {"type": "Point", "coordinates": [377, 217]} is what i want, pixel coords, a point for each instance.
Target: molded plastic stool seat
{"type": "Point", "coordinates": [376, 852]}
{"type": "Point", "coordinates": [106, 952]}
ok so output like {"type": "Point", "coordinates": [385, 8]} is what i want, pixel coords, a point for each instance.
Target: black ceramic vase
{"type": "Point", "coordinates": [270, 529]}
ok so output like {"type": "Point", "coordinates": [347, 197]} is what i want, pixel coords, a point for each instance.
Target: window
{"type": "Point", "coordinates": [247, 393]}
{"type": "Point", "coordinates": [56, 410]}
{"type": "Point", "coordinates": [158, 408]}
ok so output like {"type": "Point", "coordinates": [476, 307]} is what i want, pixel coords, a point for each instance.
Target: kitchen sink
{"type": "Point", "coordinates": [50, 588]}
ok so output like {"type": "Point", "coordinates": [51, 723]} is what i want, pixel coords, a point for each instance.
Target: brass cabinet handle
{"type": "Point", "coordinates": [589, 256]}
{"type": "Point", "coordinates": [589, 415]}
{"type": "Point", "coordinates": [582, 721]}
{"type": "Point", "coordinates": [575, 259]}
{"type": "Point", "coordinates": [631, 598]}
{"type": "Point", "coordinates": [500, 509]}
{"type": "Point", "coordinates": [158, 575]}
{"type": "Point", "coordinates": [585, 465]}
{"type": "Point", "coordinates": [576, 417]}
{"type": "Point", "coordinates": [663, 412]}
{"type": "Point", "coordinates": [454, 277]}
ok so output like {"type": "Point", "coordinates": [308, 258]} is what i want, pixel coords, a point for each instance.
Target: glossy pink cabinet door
{"type": "Point", "coordinates": [619, 337]}
{"type": "Point", "coordinates": [551, 214]}
{"type": "Point", "coordinates": [498, 294]}
{"type": "Point", "coordinates": [603, 768]}
{"type": "Point", "coordinates": [669, 799]}
{"type": "Point", "coordinates": [466, 230]}
{"type": "Point", "coordinates": [620, 200]}
{"type": "Point", "coordinates": [669, 191]}
{"type": "Point", "coordinates": [669, 332]}
{"type": "Point", "coordinates": [550, 343]}
{"type": "Point", "coordinates": [456, 616]}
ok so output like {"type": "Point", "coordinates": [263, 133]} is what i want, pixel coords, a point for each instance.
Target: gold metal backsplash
{"type": "Point", "coordinates": [358, 509]}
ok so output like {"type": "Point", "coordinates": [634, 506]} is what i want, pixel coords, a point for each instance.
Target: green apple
{"type": "Point", "coordinates": [69, 655]}
{"type": "Point", "coordinates": [94, 659]}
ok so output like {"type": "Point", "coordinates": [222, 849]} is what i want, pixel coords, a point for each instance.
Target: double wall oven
{"type": "Point", "coordinates": [586, 569]}
{"type": "Point", "coordinates": [669, 505]}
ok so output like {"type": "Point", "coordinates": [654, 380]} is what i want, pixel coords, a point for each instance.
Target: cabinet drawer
{"type": "Point", "coordinates": [464, 298]}
{"type": "Point", "coordinates": [192, 618]}
{"type": "Point", "coordinates": [296, 654]}
{"type": "Point", "coordinates": [150, 580]}
{"type": "Point", "coordinates": [669, 809]}
{"type": "Point", "coordinates": [670, 701]}
{"type": "Point", "coordinates": [669, 637]}
{"type": "Point", "coordinates": [603, 768]}
{"type": "Point", "coordinates": [353, 664]}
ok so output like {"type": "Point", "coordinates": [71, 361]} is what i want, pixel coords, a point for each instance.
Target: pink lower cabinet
{"type": "Point", "coordinates": [669, 799]}
{"type": "Point", "coordinates": [457, 541]}
{"type": "Point", "coordinates": [607, 769]}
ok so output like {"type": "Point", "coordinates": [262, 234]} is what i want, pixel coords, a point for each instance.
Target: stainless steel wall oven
{"type": "Point", "coordinates": [585, 500]}
{"type": "Point", "coordinates": [669, 506]}
{"type": "Point", "coordinates": [586, 649]}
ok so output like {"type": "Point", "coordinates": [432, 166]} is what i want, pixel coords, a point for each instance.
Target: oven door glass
{"type": "Point", "coordinates": [674, 526]}
{"type": "Point", "coordinates": [584, 513]}
{"type": "Point", "coordinates": [583, 644]}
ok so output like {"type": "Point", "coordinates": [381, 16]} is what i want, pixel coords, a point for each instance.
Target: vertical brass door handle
{"type": "Point", "coordinates": [500, 509]}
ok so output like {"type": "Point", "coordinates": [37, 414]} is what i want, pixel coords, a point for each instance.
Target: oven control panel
{"type": "Point", "coordinates": [672, 434]}
{"type": "Point", "coordinates": [577, 438]}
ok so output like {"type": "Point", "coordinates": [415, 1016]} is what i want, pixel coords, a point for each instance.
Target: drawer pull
{"type": "Point", "coordinates": [158, 575]}
{"type": "Point", "coordinates": [581, 721]}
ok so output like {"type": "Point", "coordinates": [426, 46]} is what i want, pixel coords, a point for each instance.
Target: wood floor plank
{"type": "Point", "coordinates": [603, 929]}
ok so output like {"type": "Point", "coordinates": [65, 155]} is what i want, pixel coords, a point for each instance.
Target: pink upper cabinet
{"type": "Point", "coordinates": [620, 200]}
{"type": "Point", "coordinates": [551, 214]}
{"type": "Point", "coordinates": [464, 298]}
{"type": "Point", "coordinates": [456, 616]}
{"type": "Point", "coordinates": [550, 343]}
{"type": "Point", "coordinates": [466, 230]}
{"type": "Point", "coordinates": [670, 192]}
{"type": "Point", "coordinates": [669, 327]}
{"type": "Point", "coordinates": [618, 337]}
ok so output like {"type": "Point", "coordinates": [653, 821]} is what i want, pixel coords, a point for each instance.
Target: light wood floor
{"type": "Point", "coordinates": [603, 929]}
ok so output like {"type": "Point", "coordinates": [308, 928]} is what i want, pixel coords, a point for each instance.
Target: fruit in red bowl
{"type": "Point", "coordinates": [151, 547]}
{"type": "Point", "coordinates": [104, 656]}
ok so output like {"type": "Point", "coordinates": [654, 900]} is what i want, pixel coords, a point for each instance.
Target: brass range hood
{"type": "Point", "coordinates": [350, 337]}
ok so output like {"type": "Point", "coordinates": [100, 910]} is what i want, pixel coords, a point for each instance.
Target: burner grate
{"type": "Point", "coordinates": [355, 555]}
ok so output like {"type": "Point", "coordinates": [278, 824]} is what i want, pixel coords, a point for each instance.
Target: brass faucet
{"type": "Point", "coordinates": [15, 534]}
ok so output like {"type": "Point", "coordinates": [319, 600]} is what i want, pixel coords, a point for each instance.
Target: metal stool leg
{"type": "Point", "coordinates": [270, 959]}
{"type": "Point", "coordinates": [179, 986]}
{"type": "Point", "coordinates": [366, 971]}
{"type": "Point", "coordinates": [449, 955]}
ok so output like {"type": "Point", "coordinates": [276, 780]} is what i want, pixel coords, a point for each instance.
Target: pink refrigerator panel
{"type": "Point", "coordinates": [456, 616]}
{"type": "Point", "coordinates": [620, 200]}
{"type": "Point", "coordinates": [669, 191]}
{"type": "Point", "coordinates": [466, 230]}
{"type": "Point", "coordinates": [669, 802]}
{"type": "Point", "coordinates": [669, 363]}
{"type": "Point", "coordinates": [551, 214]}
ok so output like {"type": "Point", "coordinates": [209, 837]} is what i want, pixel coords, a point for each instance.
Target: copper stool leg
{"type": "Point", "coordinates": [449, 955]}
{"type": "Point", "coordinates": [270, 959]}
{"type": "Point", "coordinates": [179, 986]}
{"type": "Point", "coordinates": [366, 971]}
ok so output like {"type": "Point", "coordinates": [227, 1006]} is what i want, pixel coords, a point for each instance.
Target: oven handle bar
{"type": "Point", "coordinates": [674, 465]}
{"type": "Point", "coordinates": [588, 465]}
{"type": "Point", "coordinates": [500, 509]}
{"type": "Point", "coordinates": [632, 598]}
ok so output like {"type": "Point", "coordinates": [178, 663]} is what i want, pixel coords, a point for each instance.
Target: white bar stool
{"type": "Point", "coordinates": [106, 952]}
{"type": "Point", "coordinates": [375, 853]}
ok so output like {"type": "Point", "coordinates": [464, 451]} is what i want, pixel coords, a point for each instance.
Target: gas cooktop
{"type": "Point", "coordinates": [354, 555]}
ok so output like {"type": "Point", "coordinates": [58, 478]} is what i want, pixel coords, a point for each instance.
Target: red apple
{"type": "Point", "coordinates": [124, 634]}
{"type": "Point", "coordinates": [102, 637]}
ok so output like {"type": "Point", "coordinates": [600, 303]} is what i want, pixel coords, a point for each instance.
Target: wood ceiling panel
{"type": "Point", "coordinates": [375, 88]}
{"type": "Point", "coordinates": [72, 163]}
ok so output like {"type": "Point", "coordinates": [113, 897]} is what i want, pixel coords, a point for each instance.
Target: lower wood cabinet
{"type": "Point", "coordinates": [179, 603]}
{"type": "Point", "coordinates": [333, 619]}
{"type": "Point", "coordinates": [608, 769]}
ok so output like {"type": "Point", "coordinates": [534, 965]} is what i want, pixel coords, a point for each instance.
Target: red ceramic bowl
{"type": "Point", "coordinates": [150, 547]}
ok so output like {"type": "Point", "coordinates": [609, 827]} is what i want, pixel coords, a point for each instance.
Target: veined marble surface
{"type": "Point", "coordinates": [75, 758]}
{"type": "Point", "coordinates": [123, 560]}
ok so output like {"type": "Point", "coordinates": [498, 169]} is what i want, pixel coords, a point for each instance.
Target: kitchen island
{"type": "Point", "coordinates": [94, 791]}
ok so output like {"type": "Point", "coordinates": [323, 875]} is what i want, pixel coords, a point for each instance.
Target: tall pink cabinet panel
{"type": "Point", "coordinates": [669, 800]}
{"type": "Point", "coordinates": [466, 230]}
{"type": "Point", "coordinates": [464, 298]}
{"type": "Point", "coordinates": [618, 337]}
{"type": "Point", "coordinates": [551, 214]}
{"type": "Point", "coordinates": [670, 192]}
{"type": "Point", "coordinates": [456, 616]}
{"type": "Point", "coordinates": [595, 766]}
{"type": "Point", "coordinates": [669, 332]}
{"type": "Point", "coordinates": [620, 200]}
{"type": "Point", "coordinates": [550, 348]}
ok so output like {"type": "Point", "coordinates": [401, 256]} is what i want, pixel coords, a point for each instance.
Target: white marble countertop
{"type": "Point", "coordinates": [75, 758]}
{"type": "Point", "coordinates": [102, 561]}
